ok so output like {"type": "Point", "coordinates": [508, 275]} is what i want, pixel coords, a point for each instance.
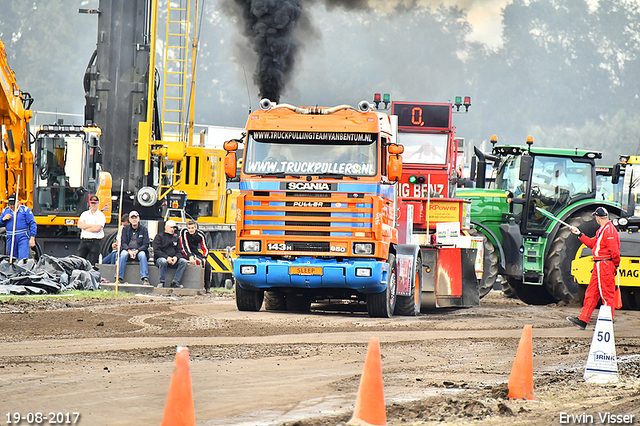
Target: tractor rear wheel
{"type": "Point", "coordinates": [558, 280]}
{"type": "Point", "coordinates": [530, 294]}
{"type": "Point", "coordinates": [489, 264]}
{"type": "Point", "coordinates": [382, 305]}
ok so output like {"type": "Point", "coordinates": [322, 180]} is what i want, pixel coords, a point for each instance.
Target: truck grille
{"type": "Point", "coordinates": [302, 214]}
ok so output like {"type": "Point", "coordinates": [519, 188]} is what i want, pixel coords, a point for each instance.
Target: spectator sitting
{"type": "Point", "coordinates": [135, 245]}
{"type": "Point", "coordinates": [166, 249]}
{"type": "Point", "coordinates": [110, 259]}
{"type": "Point", "coordinates": [194, 249]}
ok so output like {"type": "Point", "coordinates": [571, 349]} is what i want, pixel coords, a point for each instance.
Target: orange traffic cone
{"type": "Point", "coordinates": [370, 408]}
{"type": "Point", "coordinates": [179, 410]}
{"type": "Point", "coordinates": [521, 379]}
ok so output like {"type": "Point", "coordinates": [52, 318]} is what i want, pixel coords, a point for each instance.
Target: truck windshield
{"type": "Point", "coordinates": [311, 153]}
{"type": "Point", "coordinates": [424, 148]}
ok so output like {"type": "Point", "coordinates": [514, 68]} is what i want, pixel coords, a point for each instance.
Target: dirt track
{"type": "Point", "coordinates": [112, 362]}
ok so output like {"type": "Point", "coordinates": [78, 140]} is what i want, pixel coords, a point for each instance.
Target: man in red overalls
{"type": "Point", "coordinates": [606, 259]}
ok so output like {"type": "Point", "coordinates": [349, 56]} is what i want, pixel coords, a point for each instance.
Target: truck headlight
{"type": "Point", "coordinates": [363, 248]}
{"type": "Point", "coordinates": [248, 269]}
{"type": "Point", "coordinates": [251, 246]}
{"type": "Point", "coordinates": [363, 272]}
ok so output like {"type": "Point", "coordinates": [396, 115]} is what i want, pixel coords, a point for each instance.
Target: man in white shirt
{"type": "Point", "coordinates": [91, 223]}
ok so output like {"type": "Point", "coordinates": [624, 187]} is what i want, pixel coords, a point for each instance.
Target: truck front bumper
{"type": "Point", "coordinates": [264, 273]}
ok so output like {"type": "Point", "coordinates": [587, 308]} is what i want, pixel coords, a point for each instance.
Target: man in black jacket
{"type": "Point", "coordinates": [134, 244]}
{"type": "Point", "coordinates": [194, 248]}
{"type": "Point", "coordinates": [166, 249]}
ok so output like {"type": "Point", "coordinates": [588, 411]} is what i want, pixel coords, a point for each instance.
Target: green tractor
{"type": "Point", "coordinates": [532, 252]}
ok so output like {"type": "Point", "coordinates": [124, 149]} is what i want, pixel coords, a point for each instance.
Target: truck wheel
{"type": "Point", "coordinates": [410, 305]}
{"type": "Point", "coordinates": [558, 280]}
{"type": "Point", "coordinates": [489, 264]}
{"type": "Point", "coordinates": [298, 302]}
{"type": "Point", "coordinates": [274, 301]}
{"type": "Point", "coordinates": [248, 300]}
{"type": "Point", "coordinates": [382, 305]}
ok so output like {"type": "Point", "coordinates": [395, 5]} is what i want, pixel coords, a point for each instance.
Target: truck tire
{"type": "Point", "coordinates": [489, 264]}
{"type": "Point", "coordinates": [274, 301]}
{"type": "Point", "coordinates": [298, 302]}
{"type": "Point", "coordinates": [410, 305]}
{"type": "Point", "coordinates": [248, 300]}
{"type": "Point", "coordinates": [558, 281]}
{"type": "Point", "coordinates": [382, 305]}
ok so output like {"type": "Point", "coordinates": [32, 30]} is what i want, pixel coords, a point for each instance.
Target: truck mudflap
{"type": "Point", "coordinates": [448, 277]}
{"type": "Point", "coordinates": [262, 273]}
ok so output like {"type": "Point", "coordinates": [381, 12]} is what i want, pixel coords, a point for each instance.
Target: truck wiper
{"type": "Point", "coordinates": [330, 176]}
{"type": "Point", "coordinates": [336, 176]}
{"type": "Point", "coordinates": [280, 175]}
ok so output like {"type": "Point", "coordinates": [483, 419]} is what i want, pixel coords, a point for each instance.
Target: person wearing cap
{"type": "Point", "coordinates": [166, 249]}
{"type": "Point", "coordinates": [135, 246]}
{"type": "Point", "coordinates": [25, 228]}
{"type": "Point", "coordinates": [110, 259]}
{"type": "Point", "coordinates": [91, 224]}
{"type": "Point", "coordinates": [606, 258]}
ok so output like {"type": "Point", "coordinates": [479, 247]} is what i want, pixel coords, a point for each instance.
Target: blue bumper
{"type": "Point", "coordinates": [271, 273]}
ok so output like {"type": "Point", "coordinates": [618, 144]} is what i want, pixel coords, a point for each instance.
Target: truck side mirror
{"type": "Point", "coordinates": [230, 164]}
{"type": "Point", "coordinates": [526, 164]}
{"type": "Point", "coordinates": [394, 168]}
{"type": "Point", "coordinates": [615, 173]}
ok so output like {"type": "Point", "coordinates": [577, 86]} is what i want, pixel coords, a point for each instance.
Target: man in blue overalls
{"type": "Point", "coordinates": [26, 228]}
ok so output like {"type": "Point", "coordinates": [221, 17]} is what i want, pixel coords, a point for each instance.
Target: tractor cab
{"type": "Point", "coordinates": [546, 178]}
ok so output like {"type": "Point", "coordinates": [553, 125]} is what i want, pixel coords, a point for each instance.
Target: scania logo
{"type": "Point", "coordinates": [308, 186]}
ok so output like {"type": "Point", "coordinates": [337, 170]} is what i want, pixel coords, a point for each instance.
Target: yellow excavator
{"type": "Point", "coordinates": [53, 172]}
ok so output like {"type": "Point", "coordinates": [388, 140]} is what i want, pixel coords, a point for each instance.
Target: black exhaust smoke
{"type": "Point", "coordinates": [269, 26]}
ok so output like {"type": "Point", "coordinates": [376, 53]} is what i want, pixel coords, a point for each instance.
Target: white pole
{"type": "Point", "coordinates": [119, 235]}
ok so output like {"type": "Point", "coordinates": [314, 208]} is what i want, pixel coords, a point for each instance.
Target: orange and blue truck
{"type": "Point", "coordinates": [318, 211]}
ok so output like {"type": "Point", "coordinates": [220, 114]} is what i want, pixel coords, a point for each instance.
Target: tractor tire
{"type": "Point", "coordinates": [489, 264]}
{"type": "Point", "coordinates": [507, 290]}
{"type": "Point", "coordinates": [382, 305]}
{"type": "Point", "coordinates": [558, 281]}
{"type": "Point", "coordinates": [274, 301]}
{"type": "Point", "coordinates": [410, 305]}
{"type": "Point", "coordinates": [530, 294]}
{"type": "Point", "coordinates": [298, 302]}
{"type": "Point", "coordinates": [248, 300]}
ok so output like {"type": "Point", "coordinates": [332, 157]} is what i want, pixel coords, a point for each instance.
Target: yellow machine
{"type": "Point", "coordinates": [148, 141]}
{"type": "Point", "coordinates": [54, 172]}
{"type": "Point", "coordinates": [628, 226]}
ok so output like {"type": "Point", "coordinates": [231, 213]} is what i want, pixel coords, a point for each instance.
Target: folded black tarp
{"type": "Point", "coordinates": [48, 275]}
